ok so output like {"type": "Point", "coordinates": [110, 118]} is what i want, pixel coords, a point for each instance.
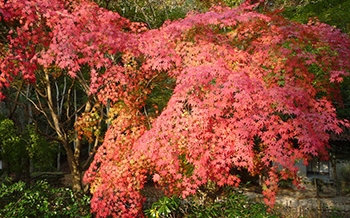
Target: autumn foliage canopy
{"type": "Point", "coordinates": [252, 91]}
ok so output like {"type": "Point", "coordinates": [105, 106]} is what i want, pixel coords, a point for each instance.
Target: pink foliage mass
{"type": "Point", "coordinates": [245, 93]}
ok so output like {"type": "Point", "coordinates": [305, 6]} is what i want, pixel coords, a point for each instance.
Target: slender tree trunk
{"type": "Point", "coordinates": [58, 160]}
{"type": "Point", "coordinates": [335, 174]}
{"type": "Point", "coordinates": [30, 115]}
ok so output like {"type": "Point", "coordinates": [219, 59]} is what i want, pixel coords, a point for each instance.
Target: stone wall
{"type": "Point", "coordinates": [313, 207]}
{"type": "Point", "coordinates": [297, 203]}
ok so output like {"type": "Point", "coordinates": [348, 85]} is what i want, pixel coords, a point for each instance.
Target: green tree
{"type": "Point", "coordinates": [20, 152]}
{"type": "Point", "coordinates": [13, 149]}
{"type": "Point", "coordinates": [42, 153]}
{"type": "Point", "coordinates": [332, 12]}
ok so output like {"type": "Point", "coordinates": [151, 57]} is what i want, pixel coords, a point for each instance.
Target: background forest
{"type": "Point", "coordinates": [61, 121]}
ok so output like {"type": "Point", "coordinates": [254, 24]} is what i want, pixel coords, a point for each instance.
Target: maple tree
{"type": "Point", "coordinates": [253, 91]}
{"type": "Point", "coordinates": [38, 51]}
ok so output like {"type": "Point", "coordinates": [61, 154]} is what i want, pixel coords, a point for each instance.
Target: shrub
{"type": "Point", "coordinates": [232, 205]}
{"type": "Point", "coordinates": [41, 200]}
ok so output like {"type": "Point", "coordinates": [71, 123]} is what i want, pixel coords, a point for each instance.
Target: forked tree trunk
{"type": "Point", "coordinates": [73, 154]}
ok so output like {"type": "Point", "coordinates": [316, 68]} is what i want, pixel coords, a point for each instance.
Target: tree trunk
{"type": "Point", "coordinates": [74, 167]}
{"type": "Point", "coordinates": [335, 173]}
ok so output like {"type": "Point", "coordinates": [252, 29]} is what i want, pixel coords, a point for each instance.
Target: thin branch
{"type": "Point", "coordinates": [16, 99]}
{"type": "Point", "coordinates": [145, 112]}
{"type": "Point", "coordinates": [39, 108]}
{"type": "Point", "coordinates": [54, 116]}
{"type": "Point", "coordinates": [69, 92]}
